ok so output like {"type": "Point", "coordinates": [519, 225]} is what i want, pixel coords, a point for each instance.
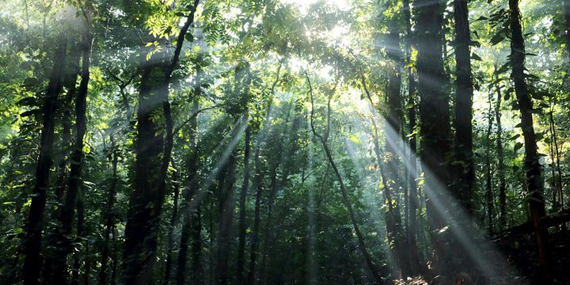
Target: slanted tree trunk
{"type": "Point", "coordinates": [434, 115]}
{"type": "Point", "coordinates": [501, 164]}
{"type": "Point", "coordinates": [242, 207]}
{"type": "Point", "coordinates": [531, 161]}
{"type": "Point", "coordinates": [153, 153]}
{"type": "Point", "coordinates": [56, 264]}
{"type": "Point", "coordinates": [346, 201]}
{"type": "Point", "coordinates": [556, 169]}
{"type": "Point", "coordinates": [32, 240]}
{"type": "Point", "coordinates": [463, 103]}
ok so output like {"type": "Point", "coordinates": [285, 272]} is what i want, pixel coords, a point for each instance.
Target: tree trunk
{"type": "Point", "coordinates": [109, 216]}
{"type": "Point", "coordinates": [393, 134]}
{"type": "Point", "coordinates": [56, 264]}
{"type": "Point", "coordinates": [188, 214]}
{"type": "Point", "coordinates": [413, 192]}
{"type": "Point", "coordinates": [171, 226]}
{"type": "Point", "coordinates": [488, 172]}
{"type": "Point", "coordinates": [242, 208]}
{"type": "Point", "coordinates": [567, 17]}
{"type": "Point", "coordinates": [70, 86]}
{"type": "Point", "coordinates": [226, 183]}
{"type": "Point", "coordinates": [34, 226]}
{"type": "Point", "coordinates": [258, 182]}
{"type": "Point", "coordinates": [501, 164]}
{"type": "Point", "coordinates": [531, 161]}
{"type": "Point", "coordinates": [434, 115]}
{"type": "Point", "coordinates": [153, 152]}
{"type": "Point", "coordinates": [463, 102]}
{"type": "Point", "coordinates": [346, 201]}
{"type": "Point", "coordinates": [80, 232]}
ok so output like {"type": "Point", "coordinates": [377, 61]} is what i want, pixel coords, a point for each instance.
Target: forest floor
{"type": "Point", "coordinates": [520, 253]}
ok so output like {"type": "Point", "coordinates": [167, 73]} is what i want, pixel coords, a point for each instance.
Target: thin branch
{"type": "Point", "coordinates": [193, 116]}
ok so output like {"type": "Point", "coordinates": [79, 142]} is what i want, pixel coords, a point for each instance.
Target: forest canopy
{"type": "Point", "coordinates": [272, 142]}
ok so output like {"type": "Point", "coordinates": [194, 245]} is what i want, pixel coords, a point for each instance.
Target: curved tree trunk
{"type": "Point", "coordinates": [32, 240]}
{"type": "Point", "coordinates": [55, 268]}
{"type": "Point", "coordinates": [153, 153]}
{"type": "Point", "coordinates": [531, 161]}
{"type": "Point", "coordinates": [346, 201]}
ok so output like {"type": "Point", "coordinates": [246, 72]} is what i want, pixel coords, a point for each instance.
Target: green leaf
{"type": "Point", "coordinates": [497, 39]}
{"type": "Point", "coordinates": [518, 146]}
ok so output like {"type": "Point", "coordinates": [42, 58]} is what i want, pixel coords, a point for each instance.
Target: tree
{"type": "Point", "coordinates": [531, 162]}
{"type": "Point", "coordinates": [463, 143]}
{"type": "Point", "coordinates": [153, 156]}
{"type": "Point", "coordinates": [32, 241]}
{"type": "Point", "coordinates": [434, 114]}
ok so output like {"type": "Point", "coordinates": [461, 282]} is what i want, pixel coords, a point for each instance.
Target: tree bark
{"type": "Point", "coordinates": [109, 216]}
{"type": "Point", "coordinates": [488, 169]}
{"type": "Point", "coordinates": [32, 240]}
{"type": "Point", "coordinates": [153, 152]}
{"type": "Point", "coordinates": [434, 114]}
{"type": "Point", "coordinates": [463, 104]}
{"type": "Point", "coordinates": [501, 163]}
{"type": "Point", "coordinates": [413, 192]}
{"type": "Point", "coordinates": [56, 264]}
{"type": "Point", "coordinates": [242, 208]}
{"type": "Point", "coordinates": [188, 214]}
{"type": "Point", "coordinates": [258, 182]}
{"type": "Point", "coordinates": [346, 201]}
{"type": "Point", "coordinates": [171, 226]}
{"type": "Point", "coordinates": [531, 161]}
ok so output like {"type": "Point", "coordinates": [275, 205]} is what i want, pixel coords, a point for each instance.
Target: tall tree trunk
{"type": "Point", "coordinates": [413, 192]}
{"type": "Point", "coordinates": [488, 172]}
{"type": "Point", "coordinates": [251, 278]}
{"type": "Point", "coordinates": [258, 182]}
{"type": "Point", "coordinates": [189, 214]}
{"type": "Point", "coordinates": [463, 104]}
{"type": "Point", "coordinates": [80, 232]}
{"type": "Point", "coordinates": [56, 264]}
{"type": "Point", "coordinates": [557, 177]}
{"type": "Point", "coordinates": [346, 201]}
{"type": "Point", "coordinates": [242, 208]}
{"type": "Point", "coordinates": [434, 114]}
{"type": "Point", "coordinates": [501, 165]}
{"type": "Point", "coordinates": [531, 161]}
{"type": "Point", "coordinates": [196, 244]}
{"type": "Point", "coordinates": [393, 134]}
{"type": "Point", "coordinates": [171, 226]}
{"type": "Point", "coordinates": [70, 86]}
{"type": "Point", "coordinates": [32, 240]}
{"type": "Point", "coordinates": [109, 216]}
{"type": "Point", "coordinates": [153, 153]}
